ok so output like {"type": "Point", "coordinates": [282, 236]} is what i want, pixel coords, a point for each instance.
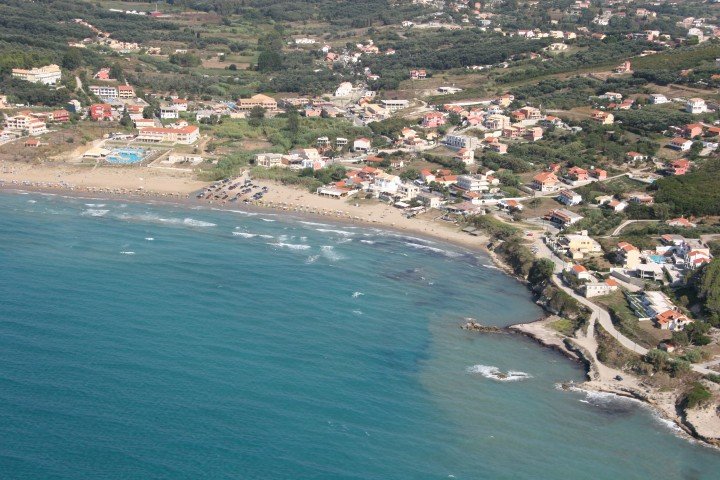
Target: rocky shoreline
{"type": "Point", "coordinates": [702, 424]}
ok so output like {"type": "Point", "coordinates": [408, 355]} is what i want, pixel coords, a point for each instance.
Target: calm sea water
{"type": "Point", "coordinates": [145, 341]}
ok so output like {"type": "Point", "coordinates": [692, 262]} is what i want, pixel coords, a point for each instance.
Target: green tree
{"type": "Point", "coordinates": [116, 72]}
{"type": "Point", "coordinates": [657, 358]}
{"type": "Point", "coordinates": [256, 116]}
{"type": "Point", "coordinates": [72, 59]}
{"type": "Point", "coordinates": [293, 121]}
{"type": "Point", "coordinates": [125, 120]}
{"type": "Point", "coordinates": [541, 271]}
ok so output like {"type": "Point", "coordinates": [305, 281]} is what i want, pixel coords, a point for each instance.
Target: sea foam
{"type": "Point", "coordinates": [494, 373]}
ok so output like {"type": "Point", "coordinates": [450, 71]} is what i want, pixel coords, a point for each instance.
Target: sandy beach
{"type": "Point", "coordinates": [165, 184]}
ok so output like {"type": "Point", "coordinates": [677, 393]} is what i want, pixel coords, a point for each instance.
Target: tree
{"type": "Point", "coordinates": [72, 59]}
{"type": "Point", "coordinates": [680, 367]}
{"type": "Point", "coordinates": [149, 112]}
{"type": "Point", "coordinates": [541, 271]}
{"type": "Point", "coordinates": [293, 122]}
{"type": "Point", "coordinates": [657, 358]}
{"type": "Point", "coordinates": [269, 61]}
{"type": "Point", "coordinates": [125, 120]}
{"type": "Point", "coordinates": [257, 114]}
{"type": "Point", "coordinates": [116, 72]}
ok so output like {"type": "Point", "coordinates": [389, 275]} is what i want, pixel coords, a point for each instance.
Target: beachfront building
{"type": "Point", "coordinates": [270, 160]}
{"type": "Point", "coordinates": [598, 289]}
{"type": "Point", "coordinates": [578, 245]}
{"type": "Point", "coordinates": [184, 135]}
{"type": "Point", "coordinates": [47, 75]}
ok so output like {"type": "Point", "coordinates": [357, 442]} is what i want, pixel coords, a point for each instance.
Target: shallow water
{"type": "Point", "coordinates": [143, 341]}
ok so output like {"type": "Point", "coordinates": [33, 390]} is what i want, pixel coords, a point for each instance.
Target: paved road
{"type": "Point", "coordinates": [599, 313]}
{"type": "Point", "coordinates": [620, 227]}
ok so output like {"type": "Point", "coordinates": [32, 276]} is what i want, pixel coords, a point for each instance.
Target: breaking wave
{"type": "Point", "coordinates": [329, 252]}
{"type": "Point", "coordinates": [94, 212]}
{"type": "Point", "coordinates": [494, 373]}
{"type": "Point", "coordinates": [344, 233]}
{"type": "Point", "coordinates": [447, 253]}
{"type": "Point", "coordinates": [291, 246]}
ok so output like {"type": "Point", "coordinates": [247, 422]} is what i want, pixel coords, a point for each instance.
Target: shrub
{"type": "Point", "coordinates": [697, 396]}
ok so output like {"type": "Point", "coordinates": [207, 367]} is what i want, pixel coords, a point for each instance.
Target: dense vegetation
{"type": "Point", "coordinates": [695, 193]}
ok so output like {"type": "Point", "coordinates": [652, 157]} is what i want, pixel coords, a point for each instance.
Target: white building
{"type": "Point", "coordinates": [104, 91]}
{"type": "Point", "coordinates": [269, 160]}
{"type": "Point", "coordinates": [169, 113]}
{"type": "Point", "coordinates": [362, 144]}
{"type": "Point", "coordinates": [394, 105]}
{"type": "Point", "coordinates": [473, 183]}
{"type": "Point", "coordinates": [658, 99]}
{"type": "Point", "coordinates": [344, 89]}
{"type": "Point", "coordinates": [47, 75]}
{"type": "Point", "coordinates": [184, 135]}
{"type": "Point", "coordinates": [25, 123]}
{"type": "Point", "coordinates": [461, 141]}
{"type": "Point", "coordinates": [695, 106]}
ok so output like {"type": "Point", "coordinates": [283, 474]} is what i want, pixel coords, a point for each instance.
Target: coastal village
{"type": "Point", "coordinates": [593, 185]}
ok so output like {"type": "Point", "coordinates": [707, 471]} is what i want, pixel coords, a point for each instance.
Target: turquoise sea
{"type": "Point", "coordinates": [156, 342]}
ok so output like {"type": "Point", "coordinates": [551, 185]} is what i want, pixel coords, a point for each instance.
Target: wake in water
{"type": "Point", "coordinates": [494, 373]}
{"type": "Point", "coordinates": [357, 294]}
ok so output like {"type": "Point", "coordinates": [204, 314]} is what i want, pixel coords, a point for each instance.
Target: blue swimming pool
{"type": "Point", "coordinates": [126, 156]}
{"type": "Point", "coordinates": [657, 258]}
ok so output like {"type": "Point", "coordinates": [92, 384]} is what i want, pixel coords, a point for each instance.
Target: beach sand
{"type": "Point", "coordinates": [161, 182]}
{"type": "Point", "coordinates": [166, 184]}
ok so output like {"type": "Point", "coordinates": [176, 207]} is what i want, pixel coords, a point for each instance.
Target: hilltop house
{"type": "Point", "coordinates": [681, 144]}
{"type": "Point", "coordinates": [545, 182]}
{"type": "Point", "coordinates": [568, 197]}
{"type": "Point", "coordinates": [678, 167]}
{"type": "Point", "coordinates": [604, 118]}
{"type": "Point", "coordinates": [696, 106]}
{"type": "Point", "coordinates": [362, 144]}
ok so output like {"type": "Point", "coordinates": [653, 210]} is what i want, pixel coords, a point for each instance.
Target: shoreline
{"type": "Point", "coordinates": [384, 217]}
{"type": "Point", "coordinates": [538, 330]}
{"type": "Point", "coordinates": [661, 403]}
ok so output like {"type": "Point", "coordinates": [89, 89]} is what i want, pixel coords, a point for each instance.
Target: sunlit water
{"type": "Point", "coordinates": [146, 341]}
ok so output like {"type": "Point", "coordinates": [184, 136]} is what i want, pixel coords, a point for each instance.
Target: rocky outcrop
{"type": "Point", "coordinates": [474, 326]}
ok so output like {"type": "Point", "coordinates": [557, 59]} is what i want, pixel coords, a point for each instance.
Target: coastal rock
{"type": "Point", "coordinates": [705, 423]}
{"type": "Point", "coordinates": [474, 326]}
